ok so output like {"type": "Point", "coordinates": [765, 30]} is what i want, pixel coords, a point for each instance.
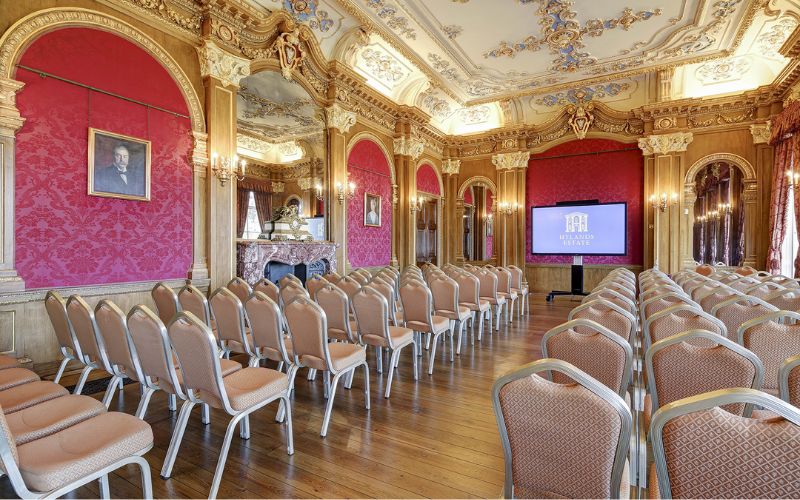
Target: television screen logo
{"type": "Point", "coordinates": [577, 222]}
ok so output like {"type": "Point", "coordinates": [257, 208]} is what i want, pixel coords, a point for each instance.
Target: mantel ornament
{"type": "Point", "coordinates": [339, 118]}
{"type": "Point", "coordinates": [451, 166]}
{"type": "Point", "coordinates": [222, 65]}
{"type": "Point", "coordinates": [580, 119]}
{"type": "Point", "coordinates": [409, 146]}
{"type": "Point", "coordinates": [290, 54]}
{"type": "Point", "coordinates": [761, 132]}
{"type": "Point", "coordinates": [509, 161]}
{"type": "Point", "coordinates": [665, 143]}
{"type": "Point", "coordinates": [286, 224]}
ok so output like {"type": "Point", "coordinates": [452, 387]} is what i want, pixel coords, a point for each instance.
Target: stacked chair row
{"type": "Point", "coordinates": [52, 442]}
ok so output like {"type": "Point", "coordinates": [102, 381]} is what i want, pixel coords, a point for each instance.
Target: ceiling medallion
{"type": "Point", "coordinates": [582, 94]}
{"type": "Point", "coordinates": [475, 115]}
{"type": "Point", "coordinates": [306, 11]}
{"type": "Point", "coordinates": [723, 70]}
{"type": "Point", "coordinates": [580, 119]}
{"type": "Point", "coordinates": [383, 66]}
{"type": "Point", "coordinates": [564, 36]}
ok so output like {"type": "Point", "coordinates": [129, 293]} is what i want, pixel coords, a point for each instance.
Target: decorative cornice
{"type": "Point", "coordinates": [509, 161]}
{"type": "Point", "coordinates": [278, 187]}
{"type": "Point", "coordinates": [305, 183]}
{"type": "Point", "coordinates": [451, 166]}
{"type": "Point", "coordinates": [665, 143]}
{"type": "Point", "coordinates": [339, 118]}
{"type": "Point", "coordinates": [222, 65]}
{"type": "Point", "coordinates": [409, 146]}
{"type": "Point", "coordinates": [10, 118]}
{"type": "Point", "coordinates": [761, 132]}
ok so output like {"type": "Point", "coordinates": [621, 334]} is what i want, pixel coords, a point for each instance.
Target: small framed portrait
{"type": "Point", "coordinates": [372, 210]}
{"type": "Point", "coordinates": [119, 166]}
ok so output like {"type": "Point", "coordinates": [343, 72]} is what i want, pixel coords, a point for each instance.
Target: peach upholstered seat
{"type": "Point", "coordinates": [26, 395]}
{"type": "Point", "coordinates": [8, 362]}
{"type": "Point", "coordinates": [166, 301]}
{"type": "Point", "coordinates": [13, 377]}
{"type": "Point", "coordinates": [561, 441]}
{"type": "Point", "coordinates": [52, 416]}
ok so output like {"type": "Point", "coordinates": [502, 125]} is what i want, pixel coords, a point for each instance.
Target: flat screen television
{"type": "Point", "coordinates": [580, 229]}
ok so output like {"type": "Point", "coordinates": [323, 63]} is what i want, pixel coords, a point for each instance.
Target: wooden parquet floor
{"type": "Point", "coordinates": [434, 438]}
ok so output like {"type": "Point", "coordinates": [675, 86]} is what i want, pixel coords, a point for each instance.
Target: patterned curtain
{"type": "Point", "coordinates": [263, 206]}
{"type": "Point", "coordinates": [778, 200]}
{"type": "Point", "coordinates": [242, 199]}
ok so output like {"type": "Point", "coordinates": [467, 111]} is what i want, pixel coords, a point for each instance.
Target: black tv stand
{"type": "Point", "coordinates": [577, 281]}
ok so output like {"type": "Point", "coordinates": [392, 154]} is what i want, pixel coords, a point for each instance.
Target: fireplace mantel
{"type": "Point", "coordinates": [252, 256]}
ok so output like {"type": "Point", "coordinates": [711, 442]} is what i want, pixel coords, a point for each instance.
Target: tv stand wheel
{"type": "Point", "coordinates": [549, 298]}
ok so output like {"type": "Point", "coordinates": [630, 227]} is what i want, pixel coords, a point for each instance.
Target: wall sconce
{"type": "Point", "coordinates": [489, 217]}
{"type": "Point", "coordinates": [225, 167]}
{"type": "Point", "coordinates": [415, 204]}
{"type": "Point", "coordinates": [794, 178]}
{"type": "Point", "coordinates": [701, 219]}
{"type": "Point", "coordinates": [318, 192]}
{"type": "Point", "coordinates": [349, 193]}
{"type": "Point", "coordinates": [724, 208]}
{"type": "Point", "coordinates": [662, 203]}
{"type": "Point", "coordinates": [507, 208]}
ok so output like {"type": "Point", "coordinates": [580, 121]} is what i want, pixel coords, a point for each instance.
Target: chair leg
{"type": "Point", "coordinates": [82, 379]}
{"type": "Point", "coordinates": [147, 483]}
{"type": "Point", "coordinates": [61, 368]}
{"type": "Point", "coordinates": [109, 395]}
{"type": "Point", "coordinates": [312, 374]}
{"type": "Point", "coordinates": [460, 325]}
{"type": "Point", "coordinates": [289, 438]}
{"type": "Point", "coordinates": [144, 402]}
{"type": "Point", "coordinates": [326, 384]}
{"type": "Point", "coordinates": [427, 341]}
{"type": "Point", "coordinates": [105, 492]}
{"type": "Point", "coordinates": [244, 427]}
{"type": "Point", "coordinates": [451, 335]}
{"type": "Point", "coordinates": [281, 409]}
{"type": "Point", "coordinates": [280, 366]}
{"type": "Point", "coordinates": [498, 313]}
{"type": "Point", "coordinates": [223, 455]}
{"type": "Point", "coordinates": [172, 402]}
{"type": "Point", "coordinates": [177, 437]}
{"type": "Point", "coordinates": [379, 358]}
{"type": "Point", "coordinates": [418, 336]}
{"type": "Point", "coordinates": [329, 407]}
{"type": "Point", "coordinates": [432, 355]}
{"type": "Point", "coordinates": [480, 325]}
{"type": "Point", "coordinates": [366, 384]}
{"type": "Point", "coordinates": [395, 355]}
{"type": "Point", "coordinates": [414, 355]}
{"type": "Point", "coordinates": [205, 416]}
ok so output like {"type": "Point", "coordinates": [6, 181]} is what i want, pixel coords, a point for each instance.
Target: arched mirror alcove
{"type": "Point", "coordinates": [477, 196]}
{"type": "Point", "coordinates": [428, 214]}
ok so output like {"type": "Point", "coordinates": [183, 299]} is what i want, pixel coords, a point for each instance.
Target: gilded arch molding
{"type": "Point", "coordinates": [474, 180]}
{"type": "Point", "coordinates": [748, 172]}
{"type": "Point", "coordinates": [19, 36]}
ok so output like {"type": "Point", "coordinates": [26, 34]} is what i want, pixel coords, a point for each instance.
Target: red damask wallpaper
{"type": "Point", "coordinates": [63, 236]}
{"type": "Point", "coordinates": [616, 174]}
{"type": "Point", "coordinates": [369, 169]}
{"type": "Point", "coordinates": [468, 196]}
{"type": "Point", "coordinates": [427, 180]}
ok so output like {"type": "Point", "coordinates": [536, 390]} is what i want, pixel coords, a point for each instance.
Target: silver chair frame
{"type": "Point", "coordinates": [680, 307]}
{"type": "Point", "coordinates": [783, 376]}
{"type": "Point", "coordinates": [118, 375]}
{"type": "Point", "coordinates": [612, 398]}
{"type": "Point", "coordinates": [776, 316]}
{"type": "Point", "coordinates": [704, 402]}
{"type": "Point", "coordinates": [70, 352]}
{"type": "Point", "coordinates": [610, 305]}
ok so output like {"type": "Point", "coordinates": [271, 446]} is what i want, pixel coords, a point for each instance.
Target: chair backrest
{"type": "Point", "coordinates": [488, 283]}
{"type": "Point", "coordinates": [196, 350]}
{"type": "Point", "coordinates": [266, 325]}
{"type": "Point", "coordinates": [656, 290]}
{"type": "Point", "coordinates": [469, 288]}
{"type": "Point", "coordinates": [743, 284]}
{"type": "Point", "coordinates": [624, 289]}
{"type": "Point", "coordinates": [445, 294]}
{"type": "Point", "coordinates": [336, 305]}
{"type": "Point", "coordinates": [693, 283]}
{"type": "Point", "coordinates": [702, 451]}
{"type": "Point", "coordinates": [372, 315]}
{"type": "Point", "coordinates": [289, 292]}
{"type": "Point", "coordinates": [665, 301]}
{"type": "Point", "coordinates": [417, 304]}
{"type": "Point", "coordinates": [774, 337]}
{"type": "Point", "coordinates": [608, 314]}
{"type": "Point", "coordinates": [787, 299]}
{"type": "Point", "coordinates": [56, 308]}
{"type": "Point", "coordinates": [503, 279]}
{"type": "Point", "coordinates": [789, 380]}
{"type": "Point", "coordinates": [289, 278]}
{"type": "Point", "coordinates": [704, 269]}
{"type": "Point", "coordinates": [704, 289]}
{"type": "Point", "coordinates": [149, 338]}
{"type": "Point", "coordinates": [784, 281]}
{"type": "Point", "coordinates": [764, 290]}
{"type": "Point", "coordinates": [358, 277]}
{"type": "Point", "coordinates": [314, 284]}
{"type": "Point", "coordinates": [83, 322]}
{"type": "Point", "coordinates": [117, 340]}
{"type": "Point", "coordinates": [229, 316]}
{"type": "Point", "coordinates": [517, 277]}
{"type": "Point", "coordinates": [614, 297]}
{"type": "Point", "coordinates": [568, 441]}
{"type": "Point", "coordinates": [738, 310]}
{"type": "Point", "coordinates": [678, 368]}
{"type": "Point", "coordinates": [719, 295]}
{"type": "Point", "coordinates": [166, 301]}
{"type": "Point", "coordinates": [593, 349]}
{"type": "Point", "coordinates": [195, 301]}
{"type": "Point", "coordinates": [349, 285]}
{"type": "Point", "coordinates": [240, 288]}
{"type": "Point", "coordinates": [388, 293]}
{"type": "Point", "coordinates": [308, 328]}
{"type": "Point", "coordinates": [677, 319]}
{"type": "Point", "coordinates": [332, 276]}
{"type": "Point", "coordinates": [268, 288]}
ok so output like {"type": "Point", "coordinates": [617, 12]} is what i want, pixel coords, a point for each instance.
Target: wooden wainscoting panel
{"type": "Point", "coordinates": [547, 277]}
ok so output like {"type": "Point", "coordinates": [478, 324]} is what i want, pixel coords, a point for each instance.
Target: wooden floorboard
{"type": "Point", "coordinates": [434, 438]}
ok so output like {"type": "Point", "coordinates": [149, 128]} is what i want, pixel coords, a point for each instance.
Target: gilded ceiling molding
{"type": "Point", "coordinates": [510, 161]}
{"type": "Point", "coordinates": [408, 146]}
{"type": "Point", "coordinates": [183, 15]}
{"type": "Point", "coordinates": [221, 64]}
{"type": "Point", "coordinates": [278, 187]}
{"type": "Point", "coordinates": [305, 183]}
{"type": "Point", "coordinates": [339, 118]}
{"type": "Point", "coordinates": [451, 166]}
{"type": "Point", "coordinates": [253, 143]}
{"type": "Point", "coordinates": [17, 38]}
{"type": "Point", "coordinates": [761, 132]}
{"type": "Point", "coordinates": [665, 143]}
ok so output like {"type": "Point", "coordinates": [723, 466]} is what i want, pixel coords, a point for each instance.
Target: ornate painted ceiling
{"type": "Point", "coordinates": [475, 65]}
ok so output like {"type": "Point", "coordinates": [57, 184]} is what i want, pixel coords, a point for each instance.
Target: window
{"type": "Point", "coordinates": [790, 244]}
{"type": "Point", "coordinates": [252, 228]}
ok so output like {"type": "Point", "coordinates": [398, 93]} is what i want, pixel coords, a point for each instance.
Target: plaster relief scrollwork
{"type": "Point", "coordinates": [761, 132]}
{"type": "Point", "coordinates": [580, 119]}
{"type": "Point", "coordinates": [290, 55]}
{"type": "Point", "coordinates": [10, 119]}
{"type": "Point", "coordinates": [278, 187]}
{"type": "Point", "coordinates": [222, 65]}
{"type": "Point", "coordinates": [339, 118]}
{"type": "Point", "coordinates": [509, 161]}
{"type": "Point", "coordinates": [305, 183]}
{"type": "Point", "coordinates": [665, 143]}
{"type": "Point", "coordinates": [408, 146]}
{"type": "Point", "coordinates": [451, 166]}
{"type": "Point", "coordinates": [200, 151]}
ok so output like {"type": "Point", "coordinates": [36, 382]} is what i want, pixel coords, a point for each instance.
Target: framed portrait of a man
{"type": "Point", "coordinates": [119, 166]}
{"type": "Point", "coordinates": [372, 210]}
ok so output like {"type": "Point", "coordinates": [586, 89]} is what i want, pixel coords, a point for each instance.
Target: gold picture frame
{"type": "Point", "coordinates": [119, 166]}
{"type": "Point", "coordinates": [372, 215]}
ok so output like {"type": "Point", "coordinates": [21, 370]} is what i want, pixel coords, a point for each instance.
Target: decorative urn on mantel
{"type": "Point", "coordinates": [286, 225]}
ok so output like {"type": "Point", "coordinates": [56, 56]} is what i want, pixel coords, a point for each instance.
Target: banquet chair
{"type": "Point", "coordinates": [520, 286]}
{"type": "Point", "coordinates": [121, 354]}
{"type": "Point", "coordinates": [446, 303]}
{"type": "Point", "coordinates": [314, 284]}
{"type": "Point", "coordinates": [56, 308]}
{"type": "Point", "coordinates": [229, 316]}
{"type": "Point", "coordinates": [418, 315]}
{"type": "Point", "coordinates": [504, 290]}
{"type": "Point", "coordinates": [289, 292]}
{"type": "Point", "coordinates": [166, 301]}
{"type": "Point", "coordinates": [773, 337]}
{"type": "Point", "coordinates": [469, 296]}
{"type": "Point", "coordinates": [489, 293]}
{"type": "Point", "coordinates": [268, 288]}
{"type": "Point", "coordinates": [266, 329]}
{"type": "Point", "coordinates": [737, 310]}
{"type": "Point", "coordinates": [240, 288]}
{"type": "Point", "coordinates": [82, 319]}
{"type": "Point", "coordinates": [336, 305]}
{"type": "Point", "coordinates": [195, 301]}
